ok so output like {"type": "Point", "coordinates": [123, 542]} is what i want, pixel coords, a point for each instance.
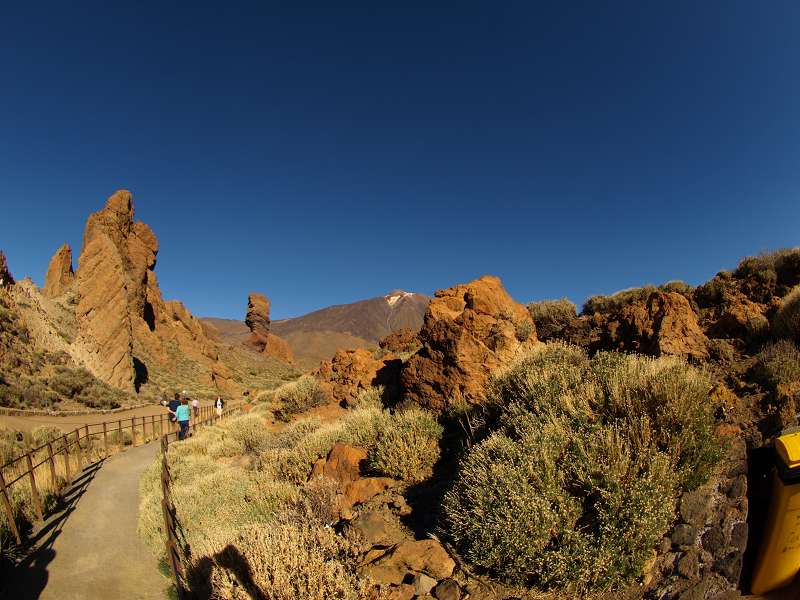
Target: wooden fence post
{"type": "Point", "coordinates": [120, 441]}
{"type": "Point", "coordinates": [37, 500]}
{"type": "Point", "coordinates": [133, 431]}
{"type": "Point", "coordinates": [105, 440]}
{"type": "Point", "coordinates": [52, 461]}
{"type": "Point", "coordinates": [89, 443]}
{"type": "Point", "coordinates": [9, 511]}
{"type": "Point", "coordinates": [65, 445]}
{"type": "Point", "coordinates": [81, 458]}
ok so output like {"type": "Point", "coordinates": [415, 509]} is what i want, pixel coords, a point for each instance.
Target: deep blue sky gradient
{"type": "Point", "coordinates": [327, 152]}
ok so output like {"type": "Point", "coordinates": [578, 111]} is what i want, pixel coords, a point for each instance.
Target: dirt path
{"type": "Point", "coordinates": [90, 550]}
{"type": "Point", "coordinates": [68, 423]}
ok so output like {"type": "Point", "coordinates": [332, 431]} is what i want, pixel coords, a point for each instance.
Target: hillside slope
{"type": "Point", "coordinates": [317, 335]}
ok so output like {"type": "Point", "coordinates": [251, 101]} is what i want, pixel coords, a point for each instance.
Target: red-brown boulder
{"type": "Point", "coordinates": [663, 324]}
{"type": "Point", "coordinates": [469, 331]}
{"type": "Point", "coordinates": [352, 371]}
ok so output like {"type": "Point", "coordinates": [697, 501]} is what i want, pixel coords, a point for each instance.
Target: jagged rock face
{"type": "Point", "coordinates": [469, 331]}
{"type": "Point", "coordinates": [105, 335]}
{"type": "Point", "coordinates": [257, 320]}
{"type": "Point", "coordinates": [402, 340]}
{"type": "Point", "coordinates": [258, 313]}
{"type": "Point", "coordinates": [352, 371]}
{"type": "Point", "coordinates": [60, 275]}
{"type": "Point", "coordinates": [5, 274]}
{"type": "Point", "coordinates": [278, 348]}
{"type": "Point", "coordinates": [123, 321]}
{"type": "Point", "coordinates": [664, 324]}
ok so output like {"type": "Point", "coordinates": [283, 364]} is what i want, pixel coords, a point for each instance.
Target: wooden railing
{"type": "Point", "coordinates": [174, 547]}
{"type": "Point", "coordinates": [52, 466]}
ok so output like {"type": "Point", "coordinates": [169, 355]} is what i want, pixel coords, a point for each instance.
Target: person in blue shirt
{"type": "Point", "coordinates": [182, 413]}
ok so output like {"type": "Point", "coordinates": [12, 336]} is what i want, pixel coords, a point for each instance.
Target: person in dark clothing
{"type": "Point", "coordinates": [173, 407]}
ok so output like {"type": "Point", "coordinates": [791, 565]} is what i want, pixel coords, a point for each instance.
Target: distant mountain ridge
{"type": "Point", "coordinates": [317, 335]}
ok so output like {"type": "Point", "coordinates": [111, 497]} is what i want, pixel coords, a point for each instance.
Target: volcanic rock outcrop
{"type": "Point", "coordinates": [60, 275]}
{"type": "Point", "coordinates": [664, 324]}
{"type": "Point", "coordinates": [107, 290]}
{"type": "Point", "coordinates": [257, 320]}
{"type": "Point", "coordinates": [352, 371]}
{"type": "Point", "coordinates": [5, 274]}
{"type": "Point", "coordinates": [469, 331]}
{"type": "Point", "coordinates": [123, 321]}
{"type": "Point", "coordinates": [402, 340]}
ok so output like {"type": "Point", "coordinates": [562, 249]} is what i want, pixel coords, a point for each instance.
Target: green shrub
{"type": "Point", "coordinates": [551, 316]}
{"type": "Point", "coordinates": [409, 447]}
{"type": "Point", "coordinates": [250, 431]}
{"type": "Point", "coordinates": [298, 396]}
{"type": "Point", "coordinates": [579, 481]}
{"type": "Point", "coordinates": [787, 320]}
{"type": "Point", "coordinates": [779, 363]}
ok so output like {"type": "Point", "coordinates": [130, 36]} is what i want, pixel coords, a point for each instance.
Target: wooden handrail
{"type": "Point", "coordinates": [25, 466]}
{"type": "Point", "coordinates": [175, 557]}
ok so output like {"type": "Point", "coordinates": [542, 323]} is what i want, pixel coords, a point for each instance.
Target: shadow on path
{"type": "Point", "coordinates": [27, 579]}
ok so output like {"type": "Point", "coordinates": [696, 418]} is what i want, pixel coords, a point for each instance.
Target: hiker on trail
{"type": "Point", "coordinates": [172, 407]}
{"type": "Point", "coordinates": [182, 414]}
{"type": "Point", "coordinates": [196, 407]}
{"type": "Point", "coordinates": [219, 405]}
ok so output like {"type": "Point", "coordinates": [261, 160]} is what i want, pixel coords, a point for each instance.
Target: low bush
{"type": "Point", "coordinates": [551, 316]}
{"type": "Point", "coordinates": [786, 323]}
{"type": "Point", "coordinates": [778, 363]}
{"type": "Point", "coordinates": [409, 447]}
{"type": "Point", "coordinates": [580, 478]}
{"type": "Point", "coordinates": [250, 431]}
{"type": "Point", "coordinates": [82, 386]}
{"type": "Point", "coordinates": [297, 396]}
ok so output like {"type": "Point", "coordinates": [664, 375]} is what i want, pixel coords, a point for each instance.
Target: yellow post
{"type": "Point", "coordinates": [779, 555]}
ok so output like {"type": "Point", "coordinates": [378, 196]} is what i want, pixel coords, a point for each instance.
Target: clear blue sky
{"type": "Point", "coordinates": [327, 152]}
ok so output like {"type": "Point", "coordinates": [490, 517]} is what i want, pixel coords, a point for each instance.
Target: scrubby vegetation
{"type": "Point", "coordinates": [618, 300]}
{"type": "Point", "coordinates": [551, 316]}
{"type": "Point", "coordinates": [578, 480]}
{"type": "Point", "coordinates": [232, 479]}
{"type": "Point", "coordinates": [408, 448]}
{"type": "Point", "coordinates": [779, 363]}
{"type": "Point", "coordinates": [297, 396]}
{"type": "Point", "coordinates": [787, 320]}
{"type": "Point", "coordinates": [781, 266]}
